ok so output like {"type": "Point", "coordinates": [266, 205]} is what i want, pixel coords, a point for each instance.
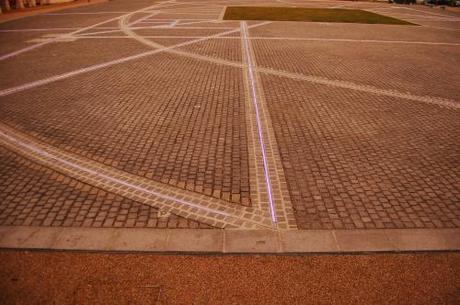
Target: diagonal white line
{"type": "Point", "coordinates": [38, 30]}
{"type": "Point", "coordinates": [38, 45]}
{"type": "Point", "coordinates": [87, 13]}
{"type": "Point", "coordinates": [95, 173]}
{"type": "Point", "coordinates": [27, 49]}
{"type": "Point", "coordinates": [52, 79]}
{"type": "Point", "coordinates": [98, 32]}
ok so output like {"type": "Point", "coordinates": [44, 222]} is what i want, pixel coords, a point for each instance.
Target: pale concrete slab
{"type": "Point", "coordinates": [239, 241]}
{"type": "Point", "coordinates": [309, 241]}
{"type": "Point", "coordinates": [195, 240]}
{"type": "Point", "coordinates": [422, 240]}
{"type": "Point", "coordinates": [85, 239]}
{"type": "Point", "coordinates": [229, 241]}
{"type": "Point", "coordinates": [140, 240]}
{"type": "Point", "coordinates": [29, 237]}
{"type": "Point", "coordinates": [363, 240]}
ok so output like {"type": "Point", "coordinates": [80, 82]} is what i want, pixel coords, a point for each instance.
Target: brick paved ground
{"type": "Point", "coordinates": [283, 124]}
{"type": "Point", "coordinates": [362, 161]}
{"type": "Point", "coordinates": [62, 57]}
{"type": "Point", "coordinates": [33, 195]}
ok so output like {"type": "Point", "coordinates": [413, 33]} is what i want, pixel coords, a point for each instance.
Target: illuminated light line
{"type": "Point", "coordinates": [247, 47]}
{"type": "Point", "coordinates": [77, 167]}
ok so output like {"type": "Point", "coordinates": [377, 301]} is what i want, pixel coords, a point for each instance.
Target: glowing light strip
{"type": "Point", "coordinates": [259, 124]}
{"type": "Point", "coordinates": [102, 175]}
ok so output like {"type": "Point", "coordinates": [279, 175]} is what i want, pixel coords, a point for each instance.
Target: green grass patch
{"type": "Point", "coordinates": [308, 14]}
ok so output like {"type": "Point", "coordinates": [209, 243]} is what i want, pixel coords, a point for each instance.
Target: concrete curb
{"type": "Point", "coordinates": [229, 241]}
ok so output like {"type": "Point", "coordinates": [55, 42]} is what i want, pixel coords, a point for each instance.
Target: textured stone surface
{"type": "Point", "coordinates": [32, 195]}
{"type": "Point", "coordinates": [418, 69]}
{"type": "Point", "coordinates": [331, 126]}
{"type": "Point", "coordinates": [355, 160]}
{"type": "Point", "coordinates": [183, 127]}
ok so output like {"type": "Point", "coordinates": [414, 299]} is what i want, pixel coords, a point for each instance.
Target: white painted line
{"type": "Point", "coordinates": [98, 32]}
{"type": "Point", "coordinates": [276, 38]}
{"type": "Point", "coordinates": [38, 30]}
{"type": "Point", "coordinates": [55, 78]}
{"type": "Point", "coordinates": [143, 18]}
{"type": "Point", "coordinates": [356, 40]}
{"type": "Point", "coordinates": [180, 27]}
{"type": "Point", "coordinates": [33, 47]}
{"type": "Point", "coordinates": [156, 21]}
{"type": "Point", "coordinates": [99, 174]}
{"type": "Point", "coordinates": [149, 37]}
{"type": "Point", "coordinates": [173, 13]}
{"type": "Point", "coordinates": [253, 86]}
{"type": "Point", "coordinates": [443, 102]}
{"type": "Point", "coordinates": [194, 22]}
{"type": "Point", "coordinates": [88, 13]}
{"type": "Point", "coordinates": [172, 19]}
{"type": "Point", "coordinates": [29, 48]}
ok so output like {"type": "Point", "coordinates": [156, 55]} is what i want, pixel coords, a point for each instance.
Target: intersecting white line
{"type": "Point", "coordinates": [90, 35]}
{"type": "Point", "coordinates": [38, 45]}
{"type": "Point", "coordinates": [55, 78]}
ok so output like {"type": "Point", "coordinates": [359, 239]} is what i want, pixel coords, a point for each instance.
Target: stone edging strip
{"type": "Point", "coordinates": [183, 203]}
{"type": "Point", "coordinates": [229, 241]}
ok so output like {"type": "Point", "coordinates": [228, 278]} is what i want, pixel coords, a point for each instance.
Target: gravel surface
{"type": "Point", "coordinates": [102, 278]}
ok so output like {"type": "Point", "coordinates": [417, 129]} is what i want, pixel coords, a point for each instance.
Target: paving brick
{"type": "Point", "coordinates": [356, 158]}
{"type": "Point", "coordinates": [346, 149]}
{"type": "Point", "coordinates": [17, 172]}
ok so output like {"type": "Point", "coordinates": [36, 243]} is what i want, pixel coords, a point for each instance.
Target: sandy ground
{"type": "Point", "coordinates": [101, 278]}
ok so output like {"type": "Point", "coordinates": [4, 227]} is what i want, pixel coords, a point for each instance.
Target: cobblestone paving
{"type": "Point", "coordinates": [11, 40]}
{"type": "Point", "coordinates": [33, 195]}
{"type": "Point", "coordinates": [169, 134]}
{"type": "Point", "coordinates": [227, 49]}
{"type": "Point", "coordinates": [283, 125]}
{"type": "Point", "coordinates": [346, 61]}
{"type": "Point", "coordinates": [354, 160]}
{"type": "Point", "coordinates": [61, 57]}
{"type": "Point", "coordinates": [356, 31]}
